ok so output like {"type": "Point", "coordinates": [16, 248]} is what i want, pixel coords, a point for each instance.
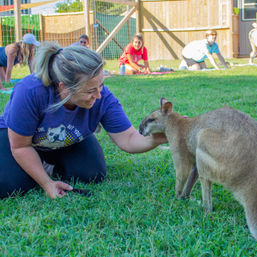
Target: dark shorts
{"type": "Point", "coordinates": [82, 161]}
{"type": "Point", "coordinates": [191, 62]}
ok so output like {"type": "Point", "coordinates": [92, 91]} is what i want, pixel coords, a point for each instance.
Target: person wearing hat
{"type": "Point", "coordinates": [197, 51]}
{"type": "Point", "coordinates": [19, 52]}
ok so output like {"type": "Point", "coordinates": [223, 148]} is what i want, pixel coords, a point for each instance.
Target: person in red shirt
{"type": "Point", "coordinates": [133, 53]}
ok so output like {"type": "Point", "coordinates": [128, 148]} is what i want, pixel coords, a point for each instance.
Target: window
{"type": "Point", "coordinates": [249, 10]}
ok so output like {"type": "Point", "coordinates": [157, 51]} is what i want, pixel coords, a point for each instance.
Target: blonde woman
{"type": "Point", "coordinates": [52, 116]}
{"type": "Point", "coordinates": [20, 52]}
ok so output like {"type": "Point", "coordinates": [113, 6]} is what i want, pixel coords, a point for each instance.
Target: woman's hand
{"type": "Point", "coordinates": [159, 138]}
{"type": "Point", "coordinates": [56, 189]}
{"type": "Point", "coordinates": [147, 70]}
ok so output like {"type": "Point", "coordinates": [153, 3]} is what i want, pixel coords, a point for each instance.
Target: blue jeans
{"type": "Point", "coordinates": [83, 161]}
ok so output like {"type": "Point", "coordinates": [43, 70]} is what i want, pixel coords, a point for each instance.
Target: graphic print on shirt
{"type": "Point", "coordinates": [137, 58]}
{"type": "Point", "coordinates": [57, 137]}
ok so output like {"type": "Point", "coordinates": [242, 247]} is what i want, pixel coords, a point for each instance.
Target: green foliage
{"type": "Point", "coordinates": [29, 24]}
{"type": "Point", "coordinates": [69, 6]}
{"type": "Point", "coordinates": [236, 10]}
{"type": "Point", "coordinates": [101, 7]}
{"type": "Point", "coordinates": [134, 212]}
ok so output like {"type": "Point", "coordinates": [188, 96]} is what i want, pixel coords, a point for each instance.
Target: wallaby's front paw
{"type": "Point", "coordinates": [207, 209]}
{"type": "Point", "coordinates": [184, 196]}
{"type": "Point", "coordinates": [179, 195]}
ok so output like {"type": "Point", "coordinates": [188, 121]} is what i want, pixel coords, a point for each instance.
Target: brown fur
{"type": "Point", "coordinates": [220, 146]}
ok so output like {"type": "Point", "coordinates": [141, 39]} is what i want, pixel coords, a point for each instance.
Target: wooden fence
{"type": "Point", "coordinates": [167, 26]}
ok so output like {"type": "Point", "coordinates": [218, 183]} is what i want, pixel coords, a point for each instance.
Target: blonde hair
{"type": "Point", "coordinates": [73, 66]}
{"type": "Point", "coordinates": [210, 32]}
{"type": "Point", "coordinates": [25, 52]}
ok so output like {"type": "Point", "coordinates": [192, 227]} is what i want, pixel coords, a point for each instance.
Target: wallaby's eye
{"type": "Point", "coordinates": [150, 120]}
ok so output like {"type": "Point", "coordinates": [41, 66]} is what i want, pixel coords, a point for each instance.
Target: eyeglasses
{"type": "Point", "coordinates": [83, 42]}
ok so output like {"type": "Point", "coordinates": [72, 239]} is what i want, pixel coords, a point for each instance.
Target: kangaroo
{"type": "Point", "coordinates": [218, 146]}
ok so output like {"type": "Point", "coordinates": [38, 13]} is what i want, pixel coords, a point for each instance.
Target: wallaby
{"type": "Point", "coordinates": [218, 146]}
{"type": "Point", "coordinates": [253, 42]}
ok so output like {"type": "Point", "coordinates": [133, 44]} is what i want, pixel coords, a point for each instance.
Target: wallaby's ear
{"type": "Point", "coordinates": [166, 108]}
{"type": "Point", "coordinates": [163, 101]}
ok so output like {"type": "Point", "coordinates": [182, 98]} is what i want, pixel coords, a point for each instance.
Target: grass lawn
{"type": "Point", "coordinates": [134, 212]}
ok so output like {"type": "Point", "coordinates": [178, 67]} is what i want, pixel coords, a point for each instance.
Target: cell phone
{"type": "Point", "coordinates": [84, 192]}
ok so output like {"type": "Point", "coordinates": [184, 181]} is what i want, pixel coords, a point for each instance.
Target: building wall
{"type": "Point", "coordinates": [168, 26]}
{"type": "Point", "coordinates": [10, 2]}
{"type": "Point", "coordinates": [244, 27]}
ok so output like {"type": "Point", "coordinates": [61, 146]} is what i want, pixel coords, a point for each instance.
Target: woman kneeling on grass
{"type": "Point", "coordinates": [51, 117]}
{"type": "Point", "coordinates": [133, 53]}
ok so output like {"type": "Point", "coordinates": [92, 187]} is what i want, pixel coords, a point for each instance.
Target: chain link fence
{"type": "Point", "coordinates": [63, 21]}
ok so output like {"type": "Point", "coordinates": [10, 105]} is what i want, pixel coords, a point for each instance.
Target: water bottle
{"type": "Point", "coordinates": [122, 69]}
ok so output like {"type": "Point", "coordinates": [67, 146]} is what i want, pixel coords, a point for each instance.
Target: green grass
{"type": "Point", "coordinates": [135, 212]}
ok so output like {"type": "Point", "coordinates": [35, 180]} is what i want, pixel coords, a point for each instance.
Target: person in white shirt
{"type": "Point", "coordinates": [197, 51]}
{"type": "Point", "coordinates": [253, 42]}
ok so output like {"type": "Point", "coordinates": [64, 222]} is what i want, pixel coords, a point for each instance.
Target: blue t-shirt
{"type": "Point", "coordinates": [3, 58]}
{"type": "Point", "coordinates": [26, 114]}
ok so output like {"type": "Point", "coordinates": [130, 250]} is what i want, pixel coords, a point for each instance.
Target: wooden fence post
{"type": "Point", "coordinates": [86, 18]}
{"type": "Point", "coordinates": [41, 28]}
{"type": "Point", "coordinates": [138, 17]}
{"type": "Point", "coordinates": [1, 35]}
{"type": "Point", "coordinates": [17, 19]}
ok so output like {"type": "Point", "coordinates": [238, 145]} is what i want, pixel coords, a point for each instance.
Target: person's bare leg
{"type": "Point", "coordinates": [129, 70]}
{"type": "Point", "coordinates": [253, 53]}
{"type": "Point", "coordinates": [183, 65]}
{"type": "Point", "coordinates": [202, 65]}
{"type": "Point", "coordinates": [1, 86]}
{"type": "Point", "coordinates": [195, 66]}
{"type": "Point", "coordinates": [2, 74]}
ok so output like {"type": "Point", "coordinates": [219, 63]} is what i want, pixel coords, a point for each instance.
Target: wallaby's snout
{"type": "Point", "coordinates": [155, 121]}
{"type": "Point", "coordinates": [146, 125]}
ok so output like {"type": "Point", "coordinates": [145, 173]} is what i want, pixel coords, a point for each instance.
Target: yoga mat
{"type": "Point", "coordinates": [14, 80]}
{"type": "Point", "coordinates": [156, 73]}
{"type": "Point", "coordinates": [9, 91]}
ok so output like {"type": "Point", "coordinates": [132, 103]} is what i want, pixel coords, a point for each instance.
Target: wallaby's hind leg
{"type": "Point", "coordinates": [206, 194]}
{"type": "Point", "coordinates": [251, 217]}
{"type": "Point", "coordinates": [190, 182]}
{"type": "Point", "coordinates": [250, 206]}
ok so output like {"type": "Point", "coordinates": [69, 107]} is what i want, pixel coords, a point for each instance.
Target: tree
{"type": "Point", "coordinates": [101, 7]}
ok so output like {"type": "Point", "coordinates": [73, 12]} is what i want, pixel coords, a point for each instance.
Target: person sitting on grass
{"type": "Point", "coordinates": [197, 51]}
{"type": "Point", "coordinates": [133, 53]}
{"type": "Point", "coordinates": [20, 52]}
{"type": "Point", "coordinates": [83, 41]}
{"type": "Point", "coordinates": [51, 117]}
